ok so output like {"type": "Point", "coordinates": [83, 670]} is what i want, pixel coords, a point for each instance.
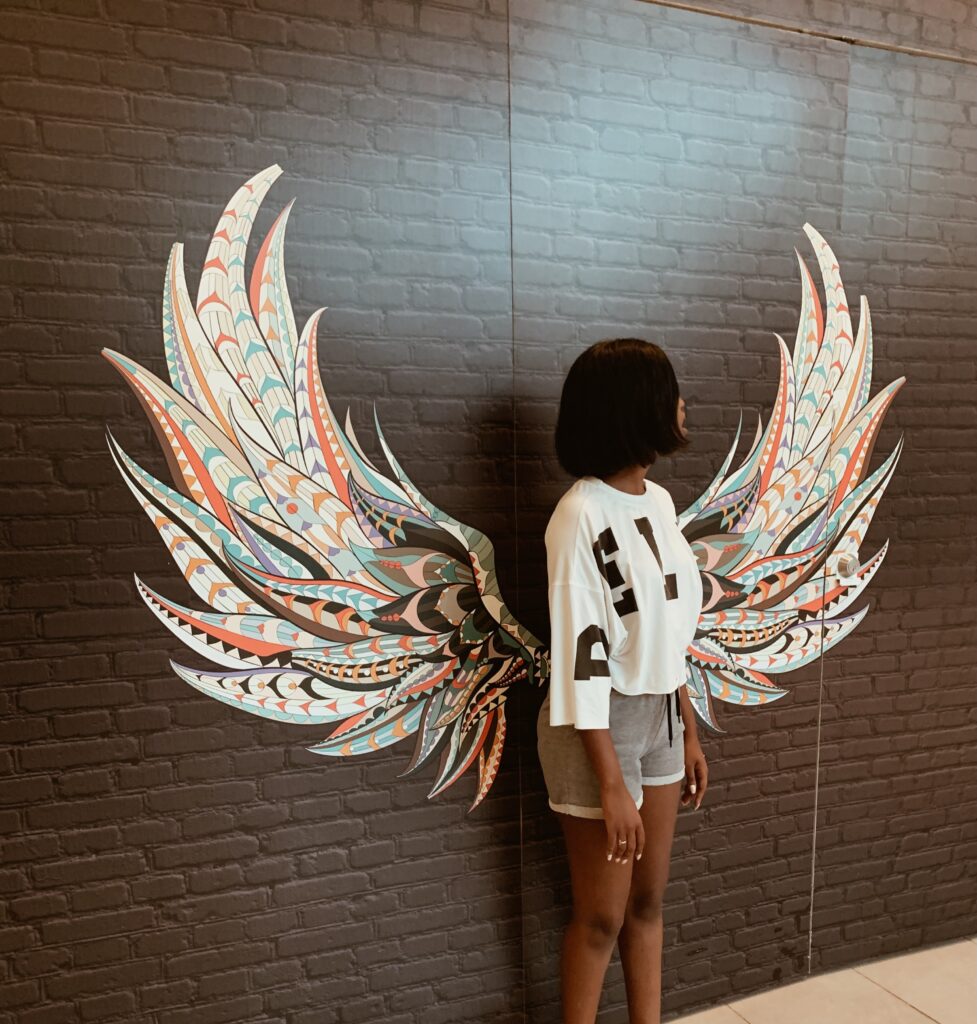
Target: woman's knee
{"type": "Point", "coordinates": [645, 905]}
{"type": "Point", "coordinates": [601, 925]}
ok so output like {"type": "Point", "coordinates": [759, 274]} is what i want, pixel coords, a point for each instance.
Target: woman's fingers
{"type": "Point", "coordinates": [616, 842]}
{"type": "Point", "coordinates": [688, 790]}
{"type": "Point", "coordinates": [702, 774]}
{"type": "Point", "coordinates": [624, 843]}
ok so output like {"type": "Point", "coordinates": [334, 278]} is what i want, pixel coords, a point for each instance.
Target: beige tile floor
{"type": "Point", "coordinates": [938, 985]}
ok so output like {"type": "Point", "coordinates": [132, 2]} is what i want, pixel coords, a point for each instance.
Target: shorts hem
{"type": "Point", "coordinates": [662, 780]}
{"type": "Point", "coordinates": [578, 811]}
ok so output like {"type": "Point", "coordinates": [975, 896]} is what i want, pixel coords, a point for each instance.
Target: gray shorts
{"type": "Point", "coordinates": [638, 725]}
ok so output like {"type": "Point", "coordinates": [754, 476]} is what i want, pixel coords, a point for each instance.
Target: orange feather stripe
{"type": "Point", "coordinates": [220, 509]}
{"type": "Point", "coordinates": [818, 603]}
{"type": "Point", "coordinates": [325, 445]}
{"type": "Point", "coordinates": [351, 723]}
{"type": "Point", "coordinates": [208, 300]}
{"type": "Point", "coordinates": [200, 377]}
{"type": "Point", "coordinates": [259, 647]}
{"type": "Point", "coordinates": [843, 417]}
{"type": "Point", "coordinates": [257, 272]}
{"type": "Point", "coordinates": [855, 462]}
{"type": "Point", "coordinates": [780, 413]}
{"type": "Point", "coordinates": [429, 684]}
{"type": "Point", "coordinates": [816, 303]}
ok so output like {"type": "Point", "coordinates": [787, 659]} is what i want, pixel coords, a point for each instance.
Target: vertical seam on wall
{"type": "Point", "coordinates": [817, 775]}
{"type": "Point", "coordinates": [849, 52]}
{"type": "Point", "coordinates": [515, 478]}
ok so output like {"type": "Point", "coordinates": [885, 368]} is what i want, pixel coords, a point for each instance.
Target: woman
{"type": "Point", "coordinates": [616, 733]}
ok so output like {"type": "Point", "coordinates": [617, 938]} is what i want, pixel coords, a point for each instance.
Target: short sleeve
{"type": "Point", "coordinates": [669, 507]}
{"type": "Point", "coordinates": [580, 680]}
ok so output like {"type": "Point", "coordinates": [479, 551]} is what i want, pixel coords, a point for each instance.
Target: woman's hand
{"type": "Point", "coordinates": [696, 771]}
{"type": "Point", "coordinates": [623, 822]}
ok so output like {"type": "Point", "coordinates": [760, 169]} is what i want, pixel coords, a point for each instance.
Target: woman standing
{"type": "Point", "coordinates": [616, 733]}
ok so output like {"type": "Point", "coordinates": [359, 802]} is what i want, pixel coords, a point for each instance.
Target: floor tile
{"type": "Point", "coordinates": [841, 997]}
{"type": "Point", "coordinates": [715, 1015]}
{"type": "Point", "coordinates": [940, 981]}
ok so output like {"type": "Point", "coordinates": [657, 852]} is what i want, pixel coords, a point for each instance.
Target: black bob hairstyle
{"type": "Point", "coordinates": [618, 408]}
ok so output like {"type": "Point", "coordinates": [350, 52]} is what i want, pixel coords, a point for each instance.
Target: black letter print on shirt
{"type": "Point", "coordinates": [606, 545]}
{"type": "Point", "coordinates": [644, 528]}
{"type": "Point", "coordinates": [584, 665]}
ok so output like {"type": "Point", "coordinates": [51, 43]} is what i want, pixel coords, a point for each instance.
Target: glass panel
{"type": "Point", "coordinates": [404, 234]}
{"type": "Point", "coordinates": [391, 127]}
{"type": "Point", "coordinates": [891, 871]}
{"type": "Point", "coordinates": [664, 163]}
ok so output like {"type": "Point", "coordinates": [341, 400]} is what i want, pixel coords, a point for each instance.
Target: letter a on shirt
{"type": "Point", "coordinates": [624, 598]}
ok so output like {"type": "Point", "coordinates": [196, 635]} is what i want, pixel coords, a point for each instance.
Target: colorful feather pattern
{"type": "Point", "coordinates": [340, 596]}
{"type": "Point", "coordinates": [337, 594]}
{"type": "Point", "coordinates": [770, 534]}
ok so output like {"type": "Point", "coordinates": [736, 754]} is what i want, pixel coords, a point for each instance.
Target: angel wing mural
{"type": "Point", "coordinates": [339, 596]}
{"type": "Point", "coordinates": [772, 535]}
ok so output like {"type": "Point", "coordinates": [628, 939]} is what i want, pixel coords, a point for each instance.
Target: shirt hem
{"type": "Point", "coordinates": [606, 725]}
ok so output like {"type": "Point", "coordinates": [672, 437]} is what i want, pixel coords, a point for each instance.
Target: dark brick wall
{"type": "Point", "coordinates": [945, 26]}
{"type": "Point", "coordinates": [663, 164]}
{"type": "Point", "coordinates": [165, 859]}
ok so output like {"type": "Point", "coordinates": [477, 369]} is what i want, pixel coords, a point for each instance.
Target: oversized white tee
{"type": "Point", "coordinates": [624, 598]}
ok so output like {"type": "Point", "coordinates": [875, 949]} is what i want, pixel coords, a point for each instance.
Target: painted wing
{"type": "Point", "coordinates": [338, 596]}
{"type": "Point", "coordinates": [769, 534]}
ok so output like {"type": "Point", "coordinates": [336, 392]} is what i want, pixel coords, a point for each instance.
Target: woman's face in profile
{"type": "Point", "coordinates": [681, 416]}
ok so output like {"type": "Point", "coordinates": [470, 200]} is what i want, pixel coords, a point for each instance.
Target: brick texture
{"type": "Point", "coordinates": [945, 27]}
{"type": "Point", "coordinates": [164, 859]}
{"type": "Point", "coordinates": [663, 164]}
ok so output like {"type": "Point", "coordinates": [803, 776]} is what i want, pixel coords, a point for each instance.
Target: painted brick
{"type": "Point", "coordinates": [168, 859]}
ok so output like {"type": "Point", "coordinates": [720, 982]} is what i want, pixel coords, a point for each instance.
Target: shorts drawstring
{"type": "Point", "coordinates": [668, 712]}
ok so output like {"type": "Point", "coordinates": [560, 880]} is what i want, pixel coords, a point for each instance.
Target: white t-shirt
{"type": "Point", "coordinates": [624, 598]}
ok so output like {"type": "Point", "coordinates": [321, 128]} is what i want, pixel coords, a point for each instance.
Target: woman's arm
{"type": "Point", "coordinates": [580, 684]}
{"type": "Point", "coordinates": [621, 816]}
{"type": "Point", "coordinates": [696, 769]}
{"type": "Point", "coordinates": [603, 756]}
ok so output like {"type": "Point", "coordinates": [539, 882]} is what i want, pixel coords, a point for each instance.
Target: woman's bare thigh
{"type": "Point", "coordinates": [658, 810]}
{"type": "Point", "coordinates": [600, 886]}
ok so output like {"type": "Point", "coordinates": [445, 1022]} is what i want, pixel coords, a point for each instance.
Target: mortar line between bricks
{"type": "Point", "coordinates": [515, 481]}
{"type": "Point", "coordinates": [817, 772]}
{"type": "Point", "coordinates": [875, 44]}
